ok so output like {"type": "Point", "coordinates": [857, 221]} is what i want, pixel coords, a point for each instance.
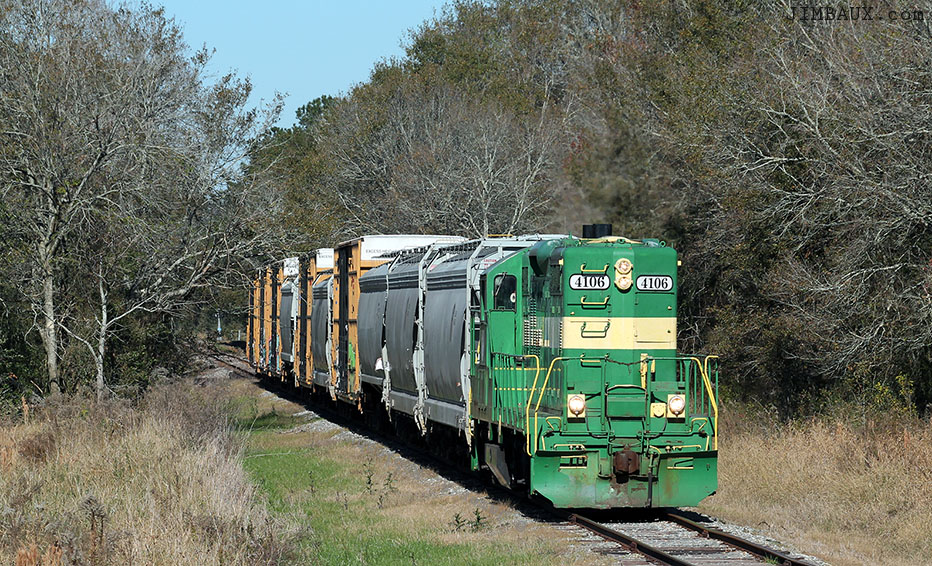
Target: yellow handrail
{"type": "Point", "coordinates": [706, 361]}
{"type": "Point", "coordinates": [527, 410]}
{"type": "Point", "coordinates": [712, 401]}
{"type": "Point", "coordinates": [546, 380]}
{"type": "Point", "coordinates": [703, 367]}
{"type": "Point", "coordinates": [708, 382]}
{"type": "Point", "coordinates": [582, 268]}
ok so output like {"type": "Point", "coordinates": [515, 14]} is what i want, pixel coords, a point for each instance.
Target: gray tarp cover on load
{"type": "Point", "coordinates": [286, 320]}
{"type": "Point", "coordinates": [399, 337]}
{"type": "Point", "coordinates": [399, 325]}
{"type": "Point", "coordinates": [320, 325]}
{"type": "Point", "coordinates": [444, 320]}
{"type": "Point", "coordinates": [372, 299]}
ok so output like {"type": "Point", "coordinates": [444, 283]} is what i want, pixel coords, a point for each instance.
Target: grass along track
{"type": "Point", "coordinates": [363, 503]}
{"type": "Point", "coordinates": [672, 534]}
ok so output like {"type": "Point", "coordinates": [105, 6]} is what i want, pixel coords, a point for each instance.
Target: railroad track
{"type": "Point", "coordinates": [673, 539]}
{"type": "Point", "coordinates": [237, 365]}
{"type": "Point", "coordinates": [678, 541]}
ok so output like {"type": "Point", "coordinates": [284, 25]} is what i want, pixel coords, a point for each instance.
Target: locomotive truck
{"type": "Point", "coordinates": [548, 361]}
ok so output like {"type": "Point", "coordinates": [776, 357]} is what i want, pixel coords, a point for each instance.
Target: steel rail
{"type": "Point", "coordinates": [248, 373]}
{"type": "Point", "coordinates": [758, 550]}
{"type": "Point", "coordinates": [613, 535]}
{"type": "Point", "coordinates": [628, 542]}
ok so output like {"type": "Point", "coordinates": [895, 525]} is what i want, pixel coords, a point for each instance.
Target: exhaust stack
{"type": "Point", "coordinates": [592, 231]}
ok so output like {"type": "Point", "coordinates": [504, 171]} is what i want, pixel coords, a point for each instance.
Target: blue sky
{"type": "Point", "coordinates": [304, 49]}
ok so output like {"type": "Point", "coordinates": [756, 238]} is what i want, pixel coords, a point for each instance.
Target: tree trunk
{"type": "Point", "coordinates": [49, 329]}
{"type": "Point", "coordinates": [99, 363]}
{"type": "Point", "coordinates": [101, 341]}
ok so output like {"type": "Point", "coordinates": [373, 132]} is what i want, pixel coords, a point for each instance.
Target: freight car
{"type": "Point", "coordinates": [550, 361]}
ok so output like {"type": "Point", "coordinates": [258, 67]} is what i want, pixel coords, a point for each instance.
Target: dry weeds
{"type": "Point", "coordinates": [848, 494]}
{"type": "Point", "coordinates": [88, 483]}
{"type": "Point", "coordinates": [410, 500]}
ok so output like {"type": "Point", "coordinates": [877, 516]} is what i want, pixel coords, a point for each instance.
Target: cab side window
{"type": "Point", "coordinates": [505, 291]}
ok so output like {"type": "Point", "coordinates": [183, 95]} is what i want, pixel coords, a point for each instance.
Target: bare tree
{"type": "Point", "coordinates": [110, 137]}
{"type": "Point", "coordinates": [437, 161]}
{"type": "Point", "coordinates": [808, 172]}
{"type": "Point", "coordinates": [843, 164]}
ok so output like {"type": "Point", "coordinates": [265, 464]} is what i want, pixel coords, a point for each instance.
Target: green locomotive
{"type": "Point", "coordinates": [550, 360]}
{"type": "Point", "coordinates": [578, 385]}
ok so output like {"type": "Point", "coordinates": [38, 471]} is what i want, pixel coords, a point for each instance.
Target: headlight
{"type": "Point", "coordinates": [623, 266]}
{"type": "Point", "coordinates": [576, 404]}
{"type": "Point", "coordinates": [677, 404]}
{"type": "Point", "coordinates": [623, 269]}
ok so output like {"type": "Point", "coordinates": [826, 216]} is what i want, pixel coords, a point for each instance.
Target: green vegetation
{"type": "Point", "coordinates": [123, 199]}
{"type": "Point", "coordinates": [221, 474]}
{"type": "Point", "coordinates": [786, 161]}
{"type": "Point", "coordinates": [346, 531]}
{"type": "Point", "coordinates": [363, 505]}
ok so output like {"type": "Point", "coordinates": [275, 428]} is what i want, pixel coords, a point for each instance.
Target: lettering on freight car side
{"type": "Point", "coordinates": [654, 283]}
{"type": "Point", "coordinates": [584, 282]}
